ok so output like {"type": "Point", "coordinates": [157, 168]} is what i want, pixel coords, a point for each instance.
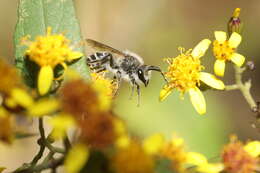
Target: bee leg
{"type": "Point", "coordinates": [132, 92]}
{"type": "Point", "coordinates": [118, 81]}
{"type": "Point", "coordinates": [138, 94]}
{"type": "Point", "coordinates": [133, 87]}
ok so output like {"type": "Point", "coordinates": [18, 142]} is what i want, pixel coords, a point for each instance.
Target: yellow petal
{"type": "Point", "coordinates": [153, 144]}
{"type": "Point", "coordinates": [238, 59]}
{"type": "Point", "coordinates": [236, 12]}
{"type": "Point", "coordinates": [45, 79]}
{"type": "Point", "coordinates": [10, 102]}
{"type": "Point", "coordinates": [21, 97]}
{"type": "Point", "coordinates": [234, 40]}
{"type": "Point", "coordinates": [196, 159]}
{"type": "Point", "coordinates": [220, 36]}
{"type": "Point", "coordinates": [219, 67]}
{"type": "Point", "coordinates": [165, 92]}
{"type": "Point", "coordinates": [211, 81]}
{"type": "Point", "coordinates": [253, 148]}
{"type": "Point", "coordinates": [201, 48]}
{"type": "Point", "coordinates": [43, 107]}
{"type": "Point", "coordinates": [211, 168]}
{"type": "Point", "coordinates": [198, 100]}
{"type": "Point", "coordinates": [76, 158]}
{"type": "Point", "coordinates": [61, 124]}
{"type": "Point", "coordinates": [74, 55]}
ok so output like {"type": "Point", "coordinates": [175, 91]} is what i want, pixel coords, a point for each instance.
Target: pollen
{"type": "Point", "coordinates": [222, 51]}
{"type": "Point", "coordinates": [51, 50]}
{"type": "Point", "coordinates": [183, 71]}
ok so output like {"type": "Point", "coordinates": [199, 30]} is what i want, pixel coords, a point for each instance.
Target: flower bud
{"type": "Point", "coordinates": [235, 24]}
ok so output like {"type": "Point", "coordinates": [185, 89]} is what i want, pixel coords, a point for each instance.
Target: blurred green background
{"type": "Point", "coordinates": [155, 29]}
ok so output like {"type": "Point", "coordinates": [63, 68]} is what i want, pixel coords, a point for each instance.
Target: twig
{"type": "Point", "coordinates": [244, 87]}
{"type": "Point", "coordinates": [51, 164]}
{"type": "Point", "coordinates": [42, 147]}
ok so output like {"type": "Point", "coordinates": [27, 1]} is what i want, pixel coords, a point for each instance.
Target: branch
{"type": "Point", "coordinates": [244, 87]}
{"type": "Point", "coordinates": [50, 164]}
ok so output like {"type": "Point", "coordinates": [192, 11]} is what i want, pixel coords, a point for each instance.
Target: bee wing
{"type": "Point", "coordinates": [100, 46]}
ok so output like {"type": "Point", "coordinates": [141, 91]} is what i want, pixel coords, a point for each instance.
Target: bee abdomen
{"type": "Point", "coordinates": [97, 60]}
{"type": "Point", "coordinates": [98, 56]}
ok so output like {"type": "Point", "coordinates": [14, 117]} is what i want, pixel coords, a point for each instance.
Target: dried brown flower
{"type": "Point", "coordinates": [79, 98]}
{"type": "Point", "coordinates": [98, 130]}
{"type": "Point", "coordinates": [9, 78]}
{"type": "Point", "coordinates": [236, 159]}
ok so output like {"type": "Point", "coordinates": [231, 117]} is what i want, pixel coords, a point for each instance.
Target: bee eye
{"type": "Point", "coordinates": [140, 72]}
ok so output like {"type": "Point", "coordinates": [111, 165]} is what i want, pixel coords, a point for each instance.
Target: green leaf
{"type": "Point", "coordinates": [34, 16]}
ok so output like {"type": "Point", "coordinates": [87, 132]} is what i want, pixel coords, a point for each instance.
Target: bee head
{"type": "Point", "coordinates": [144, 73]}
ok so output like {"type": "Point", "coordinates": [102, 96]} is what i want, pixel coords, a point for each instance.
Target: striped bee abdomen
{"type": "Point", "coordinates": [97, 60]}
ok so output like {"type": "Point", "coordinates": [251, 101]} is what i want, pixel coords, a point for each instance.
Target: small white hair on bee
{"type": "Point", "coordinates": [138, 57]}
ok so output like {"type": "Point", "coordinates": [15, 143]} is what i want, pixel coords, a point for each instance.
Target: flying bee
{"type": "Point", "coordinates": [124, 65]}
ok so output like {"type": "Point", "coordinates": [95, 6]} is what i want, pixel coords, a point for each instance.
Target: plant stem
{"type": "Point", "coordinates": [42, 147]}
{"type": "Point", "coordinates": [49, 162]}
{"type": "Point", "coordinates": [244, 87]}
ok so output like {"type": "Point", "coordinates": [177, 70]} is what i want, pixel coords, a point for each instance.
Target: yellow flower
{"type": "Point", "coordinates": [225, 50]}
{"type": "Point", "coordinates": [174, 151]}
{"type": "Point", "coordinates": [239, 158]}
{"type": "Point", "coordinates": [132, 159]}
{"type": "Point", "coordinates": [105, 89]}
{"type": "Point", "coordinates": [61, 123]}
{"type": "Point", "coordinates": [79, 152]}
{"type": "Point", "coordinates": [153, 144]}
{"type": "Point", "coordinates": [185, 73]}
{"type": "Point", "coordinates": [49, 51]}
{"type": "Point", "coordinates": [235, 24]}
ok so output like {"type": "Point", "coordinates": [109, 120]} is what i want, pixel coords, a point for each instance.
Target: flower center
{"type": "Point", "coordinates": [49, 50]}
{"type": "Point", "coordinates": [222, 51]}
{"type": "Point", "coordinates": [183, 71]}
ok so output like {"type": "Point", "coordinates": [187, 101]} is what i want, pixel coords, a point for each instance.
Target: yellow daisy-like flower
{"type": "Point", "coordinates": [49, 51]}
{"type": "Point", "coordinates": [225, 50]}
{"type": "Point", "coordinates": [185, 73]}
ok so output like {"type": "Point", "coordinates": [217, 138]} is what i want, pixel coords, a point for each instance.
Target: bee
{"type": "Point", "coordinates": [124, 65]}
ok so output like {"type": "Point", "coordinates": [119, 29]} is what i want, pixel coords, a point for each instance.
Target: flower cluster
{"type": "Point", "coordinates": [49, 51]}
{"type": "Point", "coordinates": [185, 74]}
{"type": "Point", "coordinates": [80, 112]}
{"type": "Point", "coordinates": [184, 71]}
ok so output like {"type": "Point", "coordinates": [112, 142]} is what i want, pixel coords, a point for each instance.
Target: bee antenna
{"type": "Point", "coordinates": [156, 68]}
